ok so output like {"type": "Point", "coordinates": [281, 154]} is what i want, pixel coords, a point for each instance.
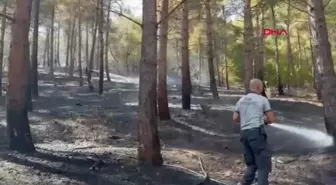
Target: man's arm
{"type": "Point", "coordinates": [269, 114]}
{"type": "Point", "coordinates": [236, 116]}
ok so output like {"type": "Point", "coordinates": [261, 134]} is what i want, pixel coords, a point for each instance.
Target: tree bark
{"type": "Point", "coordinates": [200, 47]}
{"type": "Point", "coordinates": [217, 59]}
{"type": "Point", "coordinates": [200, 66]}
{"type": "Point", "coordinates": [258, 62]}
{"type": "Point", "coordinates": [19, 134]}
{"type": "Point", "coordinates": [80, 45]}
{"type": "Point", "coordinates": [149, 149]}
{"type": "Point", "coordinates": [34, 67]}
{"type": "Point", "coordinates": [101, 47]}
{"type": "Point", "coordinates": [68, 42]}
{"type": "Point", "coordinates": [58, 45]}
{"type": "Point", "coordinates": [316, 75]}
{"type": "Point", "coordinates": [248, 45]}
{"type": "Point", "coordinates": [226, 51]}
{"type": "Point", "coordinates": [107, 36]}
{"type": "Point", "coordinates": [71, 47]}
{"type": "Point", "coordinates": [74, 49]}
{"type": "Point", "coordinates": [259, 58]}
{"type": "Point", "coordinates": [209, 30]}
{"type": "Point", "coordinates": [162, 68]}
{"type": "Point", "coordinates": [324, 63]}
{"type": "Point", "coordinates": [277, 60]}
{"type": "Point", "coordinates": [87, 44]}
{"type": "Point", "coordinates": [46, 50]}
{"type": "Point", "coordinates": [28, 100]}
{"type": "Point", "coordinates": [89, 69]}
{"type": "Point", "coordinates": [290, 68]}
{"type": "Point", "coordinates": [177, 48]}
{"type": "Point", "coordinates": [2, 42]}
{"type": "Point", "coordinates": [300, 79]}
{"type": "Point", "coordinates": [186, 81]}
{"type": "Point", "coordinates": [51, 61]}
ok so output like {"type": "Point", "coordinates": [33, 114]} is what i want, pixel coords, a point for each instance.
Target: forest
{"type": "Point", "coordinates": [94, 92]}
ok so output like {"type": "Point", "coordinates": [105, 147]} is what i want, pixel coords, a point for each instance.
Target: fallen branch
{"type": "Point", "coordinates": [206, 175]}
{"type": "Point", "coordinates": [195, 173]}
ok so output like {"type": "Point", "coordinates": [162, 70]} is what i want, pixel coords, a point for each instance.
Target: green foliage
{"type": "Point", "coordinates": [125, 36]}
{"type": "Point", "coordinates": [125, 43]}
{"type": "Point", "coordinates": [233, 30]}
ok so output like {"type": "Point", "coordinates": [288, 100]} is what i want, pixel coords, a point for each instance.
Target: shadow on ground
{"type": "Point", "coordinates": [74, 168]}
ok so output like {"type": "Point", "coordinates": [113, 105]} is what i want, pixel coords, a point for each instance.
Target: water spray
{"type": "Point", "coordinates": [319, 138]}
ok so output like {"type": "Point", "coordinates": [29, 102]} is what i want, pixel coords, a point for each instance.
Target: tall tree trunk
{"type": "Point", "coordinates": [28, 100]}
{"type": "Point", "coordinates": [259, 56]}
{"type": "Point", "coordinates": [58, 45]}
{"type": "Point", "coordinates": [2, 42]}
{"type": "Point", "coordinates": [209, 30]}
{"type": "Point", "coordinates": [200, 46]}
{"type": "Point", "coordinates": [217, 59]}
{"type": "Point", "coordinates": [162, 68]}
{"type": "Point", "coordinates": [186, 81]}
{"type": "Point", "coordinates": [200, 59]}
{"type": "Point", "coordinates": [277, 60]}
{"type": "Point", "coordinates": [34, 67]}
{"type": "Point", "coordinates": [89, 69]}
{"type": "Point", "coordinates": [149, 149]}
{"type": "Point", "coordinates": [300, 79]}
{"type": "Point", "coordinates": [101, 47]}
{"type": "Point", "coordinates": [177, 49]}
{"type": "Point", "coordinates": [68, 43]}
{"type": "Point", "coordinates": [52, 40]}
{"type": "Point", "coordinates": [290, 67]}
{"type": "Point", "coordinates": [226, 51]}
{"type": "Point", "coordinates": [87, 44]}
{"type": "Point", "coordinates": [19, 134]}
{"type": "Point", "coordinates": [248, 45]}
{"type": "Point", "coordinates": [74, 52]}
{"type": "Point", "coordinates": [46, 50]}
{"type": "Point", "coordinates": [72, 46]}
{"type": "Point", "coordinates": [80, 45]}
{"type": "Point", "coordinates": [127, 65]}
{"type": "Point", "coordinates": [257, 62]}
{"type": "Point", "coordinates": [96, 58]}
{"type": "Point", "coordinates": [317, 77]}
{"type": "Point", "coordinates": [107, 34]}
{"type": "Point", "coordinates": [226, 68]}
{"type": "Point", "coordinates": [324, 63]}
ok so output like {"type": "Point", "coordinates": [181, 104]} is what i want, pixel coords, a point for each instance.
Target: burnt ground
{"type": "Point", "coordinates": [73, 127]}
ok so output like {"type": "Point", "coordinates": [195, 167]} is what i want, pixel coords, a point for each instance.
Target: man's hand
{"type": "Point", "coordinates": [236, 117]}
{"type": "Point", "coordinates": [265, 120]}
{"type": "Point", "coordinates": [269, 117]}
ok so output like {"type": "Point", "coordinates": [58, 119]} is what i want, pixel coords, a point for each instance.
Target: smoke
{"type": "Point", "coordinates": [318, 138]}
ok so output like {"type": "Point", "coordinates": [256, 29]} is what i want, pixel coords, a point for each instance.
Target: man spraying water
{"type": "Point", "coordinates": [253, 111]}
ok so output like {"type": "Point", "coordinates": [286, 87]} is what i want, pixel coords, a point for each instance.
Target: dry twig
{"type": "Point", "coordinates": [206, 175]}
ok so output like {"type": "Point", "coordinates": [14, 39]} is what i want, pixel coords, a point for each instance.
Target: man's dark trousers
{"type": "Point", "coordinates": [257, 155]}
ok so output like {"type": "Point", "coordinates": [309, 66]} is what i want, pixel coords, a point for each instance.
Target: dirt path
{"type": "Point", "coordinates": [72, 127]}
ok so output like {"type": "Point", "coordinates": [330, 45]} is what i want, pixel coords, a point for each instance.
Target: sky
{"type": "Point", "coordinates": [135, 6]}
